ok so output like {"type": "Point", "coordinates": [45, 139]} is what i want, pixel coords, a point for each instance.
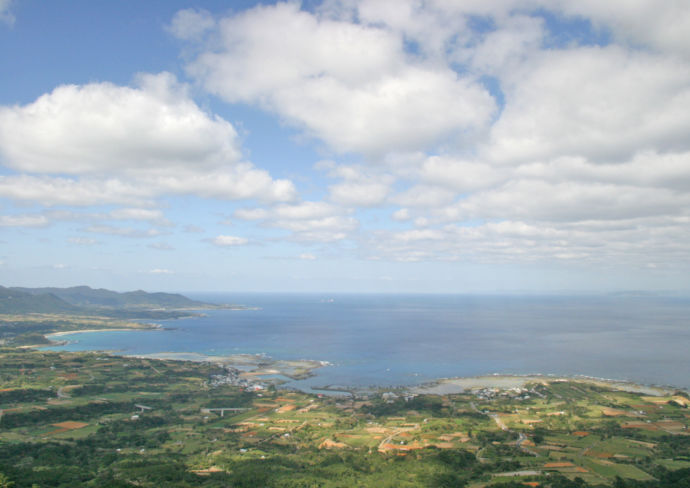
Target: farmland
{"type": "Point", "coordinates": [90, 419]}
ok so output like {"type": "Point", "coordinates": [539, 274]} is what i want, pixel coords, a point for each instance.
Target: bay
{"type": "Point", "coordinates": [398, 340]}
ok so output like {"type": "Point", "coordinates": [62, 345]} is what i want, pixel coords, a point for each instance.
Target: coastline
{"type": "Point", "coordinates": [445, 386]}
{"type": "Point", "coordinates": [118, 329]}
{"type": "Point", "coordinates": [259, 365]}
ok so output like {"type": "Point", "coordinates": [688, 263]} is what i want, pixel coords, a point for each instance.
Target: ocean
{"type": "Point", "coordinates": [382, 340]}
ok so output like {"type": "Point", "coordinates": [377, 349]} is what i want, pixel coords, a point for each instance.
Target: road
{"type": "Point", "coordinates": [501, 425]}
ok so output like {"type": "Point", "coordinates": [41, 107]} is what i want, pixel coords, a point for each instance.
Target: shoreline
{"type": "Point", "coordinates": [118, 329]}
{"type": "Point", "coordinates": [297, 370]}
{"type": "Point", "coordinates": [265, 366]}
{"type": "Point", "coordinates": [456, 385]}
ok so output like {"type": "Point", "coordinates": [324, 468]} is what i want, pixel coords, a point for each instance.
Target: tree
{"type": "Point", "coordinates": [5, 481]}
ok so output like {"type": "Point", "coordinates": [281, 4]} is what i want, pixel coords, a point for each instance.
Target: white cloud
{"type": "Point", "coordinates": [507, 48]}
{"type": "Point", "coordinates": [486, 135]}
{"type": "Point", "coordinates": [307, 221]}
{"type": "Point", "coordinates": [360, 187]}
{"type": "Point", "coordinates": [101, 127]}
{"type": "Point", "coordinates": [103, 143]}
{"type": "Point", "coordinates": [307, 257]}
{"type": "Point", "coordinates": [145, 214]}
{"type": "Point", "coordinates": [349, 85]}
{"type": "Point", "coordinates": [82, 241]}
{"type": "Point", "coordinates": [607, 245]}
{"type": "Point", "coordinates": [664, 26]}
{"type": "Point", "coordinates": [424, 196]}
{"type": "Point", "coordinates": [27, 220]}
{"type": "Point", "coordinates": [567, 202]}
{"type": "Point", "coordinates": [191, 24]}
{"type": "Point", "coordinates": [401, 215]}
{"type": "Point", "coordinates": [297, 211]}
{"type": "Point", "coordinates": [161, 246]}
{"type": "Point", "coordinates": [69, 191]}
{"type": "Point", "coordinates": [333, 223]}
{"type": "Point", "coordinates": [601, 103]}
{"type": "Point", "coordinates": [228, 241]}
{"type": "Point", "coordinates": [123, 231]}
{"type": "Point", "coordinates": [359, 194]}
{"type": "Point", "coordinates": [459, 175]}
{"type": "Point", "coordinates": [160, 271]}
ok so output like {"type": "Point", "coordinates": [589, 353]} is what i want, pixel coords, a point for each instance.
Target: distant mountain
{"type": "Point", "coordinates": [84, 296]}
{"type": "Point", "coordinates": [86, 300]}
{"type": "Point", "coordinates": [17, 301]}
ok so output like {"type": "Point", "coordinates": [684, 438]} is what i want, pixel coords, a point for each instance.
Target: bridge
{"type": "Point", "coordinates": [223, 410]}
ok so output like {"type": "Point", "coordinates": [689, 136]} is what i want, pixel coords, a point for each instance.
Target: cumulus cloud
{"type": "Point", "coordinates": [160, 271]}
{"type": "Point", "coordinates": [123, 231]}
{"type": "Point", "coordinates": [459, 175]}
{"type": "Point", "coordinates": [228, 241]}
{"type": "Point", "coordinates": [101, 127]}
{"type": "Point", "coordinates": [73, 191]}
{"type": "Point", "coordinates": [490, 131]}
{"type": "Point", "coordinates": [161, 246]}
{"type": "Point", "coordinates": [358, 187]}
{"type": "Point", "coordinates": [601, 103]}
{"type": "Point", "coordinates": [191, 24]}
{"type": "Point", "coordinates": [82, 241]}
{"type": "Point", "coordinates": [103, 143]}
{"type": "Point", "coordinates": [640, 22]}
{"type": "Point", "coordinates": [401, 215]}
{"type": "Point", "coordinates": [587, 157]}
{"type": "Point", "coordinates": [424, 196]}
{"type": "Point", "coordinates": [46, 217]}
{"type": "Point", "coordinates": [307, 221]}
{"type": "Point", "coordinates": [141, 214]}
{"type": "Point", "coordinates": [349, 85]}
{"type": "Point", "coordinates": [26, 220]}
{"type": "Point", "coordinates": [607, 244]}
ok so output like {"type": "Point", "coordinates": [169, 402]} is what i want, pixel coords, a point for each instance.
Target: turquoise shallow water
{"type": "Point", "coordinates": [410, 339]}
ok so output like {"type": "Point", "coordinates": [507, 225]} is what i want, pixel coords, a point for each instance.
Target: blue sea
{"type": "Point", "coordinates": [386, 340]}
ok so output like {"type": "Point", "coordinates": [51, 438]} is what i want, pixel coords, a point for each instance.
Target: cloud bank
{"type": "Point", "coordinates": [502, 130]}
{"type": "Point", "coordinates": [491, 132]}
{"type": "Point", "coordinates": [106, 144]}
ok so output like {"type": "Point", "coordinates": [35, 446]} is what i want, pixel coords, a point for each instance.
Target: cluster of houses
{"type": "Point", "coordinates": [232, 377]}
{"type": "Point", "coordinates": [516, 393]}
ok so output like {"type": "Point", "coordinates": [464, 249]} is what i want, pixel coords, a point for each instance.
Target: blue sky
{"type": "Point", "coordinates": [346, 145]}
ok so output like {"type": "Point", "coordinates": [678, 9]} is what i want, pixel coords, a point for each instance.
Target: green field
{"type": "Point", "coordinates": [89, 419]}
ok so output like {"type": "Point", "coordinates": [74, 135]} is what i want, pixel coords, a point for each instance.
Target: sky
{"type": "Point", "coordinates": [436, 146]}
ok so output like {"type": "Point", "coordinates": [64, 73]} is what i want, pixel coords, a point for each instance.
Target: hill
{"type": "Point", "coordinates": [13, 301]}
{"type": "Point", "coordinates": [83, 300]}
{"type": "Point", "coordinates": [84, 296]}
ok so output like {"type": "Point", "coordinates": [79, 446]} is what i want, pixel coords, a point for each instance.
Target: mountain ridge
{"type": "Point", "coordinates": [86, 300]}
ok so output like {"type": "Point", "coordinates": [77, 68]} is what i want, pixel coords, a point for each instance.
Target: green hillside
{"type": "Point", "coordinates": [13, 301]}
{"type": "Point", "coordinates": [82, 300]}
{"type": "Point", "coordinates": [84, 296]}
